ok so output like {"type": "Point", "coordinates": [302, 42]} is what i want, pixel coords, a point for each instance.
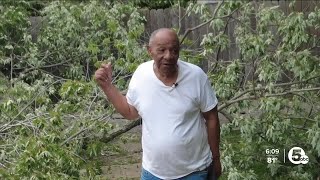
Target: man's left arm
{"type": "Point", "coordinates": [213, 130]}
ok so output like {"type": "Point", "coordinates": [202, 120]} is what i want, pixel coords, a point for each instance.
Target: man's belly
{"type": "Point", "coordinates": [175, 152]}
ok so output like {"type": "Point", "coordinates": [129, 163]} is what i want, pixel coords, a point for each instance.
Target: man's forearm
{"type": "Point", "coordinates": [119, 101]}
{"type": "Point", "coordinates": [213, 129]}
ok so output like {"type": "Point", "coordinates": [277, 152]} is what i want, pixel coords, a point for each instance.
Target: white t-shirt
{"type": "Point", "coordinates": [174, 135]}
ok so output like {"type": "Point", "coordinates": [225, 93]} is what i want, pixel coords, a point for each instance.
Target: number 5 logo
{"type": "Point", "coordinates": [297, 155]}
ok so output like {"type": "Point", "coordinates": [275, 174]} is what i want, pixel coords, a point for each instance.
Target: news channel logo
{"type": "Point", "coordinates": [295, 155]}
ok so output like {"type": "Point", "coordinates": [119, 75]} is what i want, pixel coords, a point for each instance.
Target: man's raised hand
{"type": "Point", "coordinates": [103, 75]}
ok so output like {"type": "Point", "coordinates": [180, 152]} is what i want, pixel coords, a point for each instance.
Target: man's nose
{"type": "Point", "coordinates": [168, 54]}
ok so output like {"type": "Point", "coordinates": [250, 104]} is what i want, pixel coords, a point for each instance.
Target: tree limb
{"type": "Point", "coordinates": [185, 14]}
{"type": "Point", "coordinates": [226, 115]}
{"type": "Point", "coordinates": [228, 103]}
{"type": "Point", "coordinates": [73, 136]}
{"type": "Point", "coordinates": [42, 67]}
{"type": "Point", "coordinates": [252, 30]}
{"type": "Point", "coordinates": [275, 85]}
{"type": "Point", "coordinates": [219, 49]}
{"type": "Point", "coordinates": [8, 125]}
{"type": "Point", "coordinates": [207, 22]}
{"type": "Point", "coordinates": [122, 130]}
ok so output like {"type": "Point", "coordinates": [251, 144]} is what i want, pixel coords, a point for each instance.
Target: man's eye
{"type": "Point", "coordinates": [161, 50]}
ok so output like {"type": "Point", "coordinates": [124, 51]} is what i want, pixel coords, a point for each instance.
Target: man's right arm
{"type": "Point", "coordinates": [103, 77]}
{"type": "Point", "coordinates": [120, 102]}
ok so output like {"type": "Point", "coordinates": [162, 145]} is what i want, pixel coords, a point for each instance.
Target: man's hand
{"type": "Point", "coordinates": [103, 75]}
{"type": "Point", "coordinates": [214, 171]}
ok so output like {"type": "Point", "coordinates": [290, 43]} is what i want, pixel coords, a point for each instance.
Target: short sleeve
{"type": "Point", "coordinates": [208, 99]}
{"type": "Point", "coordinates": [131, 93]}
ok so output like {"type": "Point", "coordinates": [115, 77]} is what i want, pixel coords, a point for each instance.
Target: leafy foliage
{"type": "Point", "coordinates": [270, 92]}
{"type": "Point", "coordinates": [53, 115]}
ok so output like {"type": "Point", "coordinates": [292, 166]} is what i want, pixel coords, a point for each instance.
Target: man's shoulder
{"type": "Point", "coordinates": [143, 67]}
{"type": "Point", "coordinates": [192, 69]}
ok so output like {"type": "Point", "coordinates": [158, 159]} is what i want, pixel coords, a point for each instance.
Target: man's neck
{"type": "Point", "coordinates": [167, 78]}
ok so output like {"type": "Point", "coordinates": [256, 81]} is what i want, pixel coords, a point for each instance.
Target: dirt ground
{"type": "Point", "coordinates": [122, 157]}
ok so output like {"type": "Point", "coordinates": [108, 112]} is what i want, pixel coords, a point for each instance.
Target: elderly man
{"type": "Point", "coordinates": [178, 107]}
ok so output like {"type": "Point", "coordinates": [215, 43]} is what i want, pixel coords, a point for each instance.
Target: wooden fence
{"type": "Point", "coordinates": [177, 18]}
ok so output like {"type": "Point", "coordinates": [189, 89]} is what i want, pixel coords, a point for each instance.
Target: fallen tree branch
{"type": "Point", "coordinates": [122, 130]}
{"type": "Point", "coordinates": [228, 103]}
{"type": "Point", "coordinates": [220, 47]}
{"type": "Point", "coordinates": [184, 16]}
{"type": "Point", "coordinates": [275, 85]}
{"type": "Point", "coordinates": [226, 115]}
{"type": "Point", "coordinates": [207, 22]}
{"type": "Point", "coordinates": [73, 136]}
